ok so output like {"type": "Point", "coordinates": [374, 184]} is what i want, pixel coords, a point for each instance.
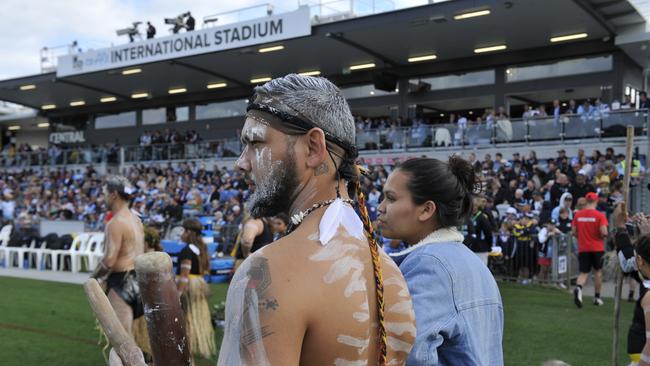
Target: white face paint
{"type": "Point", "coordinates": [268, 183]}
{"type": "Point", "coordinates": [257, 132]}
{"type": "Point", "coordinates": [262, 158]}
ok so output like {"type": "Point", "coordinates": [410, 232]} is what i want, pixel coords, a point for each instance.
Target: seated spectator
{"type": "Point", "coordinates": [602, 181]}
{"type": "Point", "coordinates": [566, 201]}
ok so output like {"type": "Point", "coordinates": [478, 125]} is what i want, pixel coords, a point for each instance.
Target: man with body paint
{"type": "Point", "coordinates": [324, 294]}
{"type": "Point", "coordinates": [124, 242]}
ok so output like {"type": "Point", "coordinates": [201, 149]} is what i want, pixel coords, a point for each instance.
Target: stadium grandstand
{"type": "Point", "coordinates": [537, 95]}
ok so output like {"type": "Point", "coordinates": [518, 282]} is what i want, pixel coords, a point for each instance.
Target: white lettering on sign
{"type": "Point", "coordinates": [71, 137]}
{"type": "Point", "coordinates": [258, 31]}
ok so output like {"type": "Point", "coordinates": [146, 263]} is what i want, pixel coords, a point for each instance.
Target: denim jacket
{"type": "Point", "coordinates": [458, 308]}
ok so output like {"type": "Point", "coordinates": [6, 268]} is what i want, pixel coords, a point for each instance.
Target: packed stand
{"type": "Point", "coordinates": [525, 200]}
{"type": "Point", "coordinates": [165, 195]}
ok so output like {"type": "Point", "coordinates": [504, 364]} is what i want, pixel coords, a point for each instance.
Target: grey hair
{"type": "Point", "coordinates": [317, 99]}
{"type": "Point", "coordinates": [119, 184]}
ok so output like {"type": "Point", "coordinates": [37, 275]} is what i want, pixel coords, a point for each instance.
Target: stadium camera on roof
{"type": "Point", "coordinates": [179, 22]}
{"type": "Point", "coordinates": [132, 31]}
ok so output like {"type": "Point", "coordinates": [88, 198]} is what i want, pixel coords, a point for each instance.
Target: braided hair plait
{"type": "Point", "coordinates": [376, 265]}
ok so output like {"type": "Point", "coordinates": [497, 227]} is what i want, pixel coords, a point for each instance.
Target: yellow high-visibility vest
{"type": "Point", "coordinates": [636, 167]}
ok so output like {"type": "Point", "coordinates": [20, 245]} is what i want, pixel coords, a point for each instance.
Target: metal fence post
{"type": "Point", "coordinates": [569, 260]}
{"type": "Point", "coordinates": [554, 260]}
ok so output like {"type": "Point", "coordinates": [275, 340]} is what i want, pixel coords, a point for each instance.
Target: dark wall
{"type": "Point", "coordinates": [207, 129]}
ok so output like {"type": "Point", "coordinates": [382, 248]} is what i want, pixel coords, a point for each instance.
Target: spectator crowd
{"type": "Point", "coordinates": [525, 200]}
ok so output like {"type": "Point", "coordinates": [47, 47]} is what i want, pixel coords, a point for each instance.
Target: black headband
{"type": "Point", "coordinates": [304, 124]}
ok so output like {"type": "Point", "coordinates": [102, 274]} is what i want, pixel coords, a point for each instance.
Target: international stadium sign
{"type": "Point", "coordinates": [258, 31]}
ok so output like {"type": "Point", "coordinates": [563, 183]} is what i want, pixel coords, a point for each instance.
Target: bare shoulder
{"type": "Point", "coordinates": [645, 300]}
{"type": "Point", "coordinates": [264, 322]}
{"type": "Point", "coordinates": [254, 224]}
{"type": "Point", "coordinates": [113, 225]}
{"type": "Point", "coordinates": [284, 257]}
{"type": "Point", "coordinates": [273, 269]}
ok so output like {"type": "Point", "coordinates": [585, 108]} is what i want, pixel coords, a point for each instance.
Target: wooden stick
{"type": "Point", "coordinates": [162, 310]}
{"type": "Point", "coordinates": [619, 276]}
{"type": "Point", "coordinates": [123, 344]}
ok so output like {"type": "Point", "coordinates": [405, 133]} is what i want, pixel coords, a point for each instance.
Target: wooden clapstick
{"type": "Point", "coordinates": [122, 342]}
{"type": "Point", "coordinates": [162, 310]}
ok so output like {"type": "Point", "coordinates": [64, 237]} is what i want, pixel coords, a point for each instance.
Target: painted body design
{"type": "Point", "coordinates": [247, 298]}
{"type": "Point", "coordinates": [348, 263]}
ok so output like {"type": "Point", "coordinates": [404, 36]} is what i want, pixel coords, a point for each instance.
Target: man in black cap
{"type": "Point", "coordinates": [151, 30]}
{"type": "Point", "coordinates": [190, 22]}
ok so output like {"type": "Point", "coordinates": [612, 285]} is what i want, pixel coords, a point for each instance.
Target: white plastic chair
{"type": "Point", "coordinates": [5, 232]}
{"type": "Point", "coordinates": [16, 255]}
{"type": "Point", "coordinates": [442, 137]}
{"type": "Point", "coordinates": [54, 255]}
{"type": "Point", "coordinates": [94, 252]}
{"type": "Point", "coordinates": [46, 255]}
{"type": "Point", "coordinates": [98, 254]}
{"type": "Point", "coordinates": [504, 129]}
{"type": "Point", "coordinates": [36, 254]}
{"type": "Point", "coordinates": [79, 251]}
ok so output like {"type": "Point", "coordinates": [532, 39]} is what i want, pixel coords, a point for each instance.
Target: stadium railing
{"type": "Point", "coordinates": [594, 126]}
{"type": "Point", "coordinates": [562, 252]}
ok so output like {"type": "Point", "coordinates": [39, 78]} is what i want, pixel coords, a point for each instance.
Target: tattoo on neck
{"type": "Point", "coordinates": [322, 169]}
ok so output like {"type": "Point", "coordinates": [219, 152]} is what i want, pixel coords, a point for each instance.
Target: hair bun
{"type": "Point", "coordinates": [464, 172]}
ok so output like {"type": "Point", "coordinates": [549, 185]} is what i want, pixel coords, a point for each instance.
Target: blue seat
{"type": "Point", "coordinates": [221, 266]}
{"type": "Point", "coordinates": [172, 246]}
{"type": "Point", "coordinates": [220, 270]}
{"type": "Point", "coordinates": [218, 279]}
{"type": "Point", "coordinates": [206, 221]}
{"type": "Point", "coordinates": [212, 248]}
{"type": "Point", "coordinates": [207, 233]}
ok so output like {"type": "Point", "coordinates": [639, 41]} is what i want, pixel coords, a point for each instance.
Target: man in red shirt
{"type": "Point", "coordinates": [589, 226]}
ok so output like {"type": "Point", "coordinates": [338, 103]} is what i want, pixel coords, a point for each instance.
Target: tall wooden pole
{"type": "Point", "coordinates": [619, 275]}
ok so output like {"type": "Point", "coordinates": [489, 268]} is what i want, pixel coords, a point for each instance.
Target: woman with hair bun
{"type": "Point", "coordinates": [458, 309]}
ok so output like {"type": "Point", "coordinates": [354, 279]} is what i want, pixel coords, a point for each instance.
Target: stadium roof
{"type": "Point", "coordinates": [388, 40]}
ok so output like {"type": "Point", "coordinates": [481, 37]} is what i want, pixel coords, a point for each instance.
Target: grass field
{"type": "Point", "coordinates": [47, 323]}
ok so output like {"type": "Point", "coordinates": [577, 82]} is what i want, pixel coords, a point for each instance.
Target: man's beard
{"type": "Point", "coordinates": [274, 194]}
